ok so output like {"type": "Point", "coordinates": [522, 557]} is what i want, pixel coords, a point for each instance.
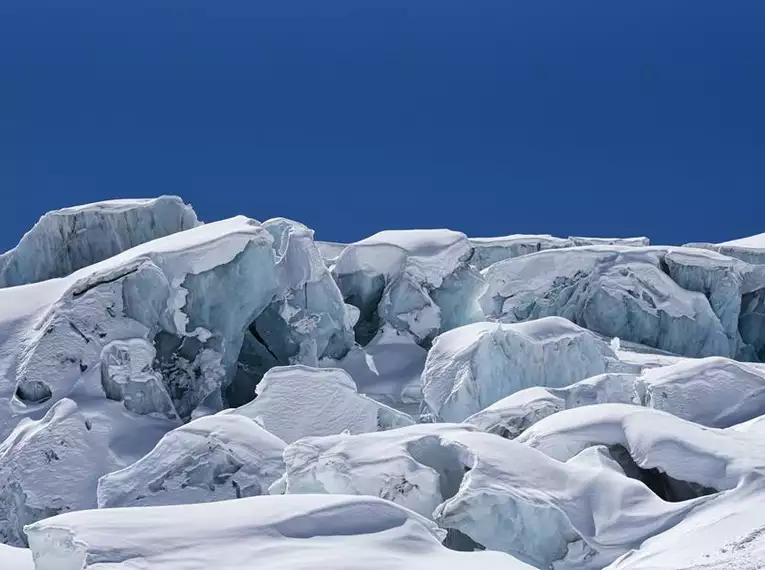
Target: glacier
{"type": "Point", "coordinates": [176, 394]}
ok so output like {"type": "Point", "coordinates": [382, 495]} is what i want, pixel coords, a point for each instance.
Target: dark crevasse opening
{"type": "Point", "coordinates": [751, 322]}
{"type": "Point", "coordinates": [664, 486]}
{"type": "Point", "coordinates": [255, 359]}
{"type": "Point", "coordinates": [34, 392]}
{"type": "Point", "coordinates": [365, 293]}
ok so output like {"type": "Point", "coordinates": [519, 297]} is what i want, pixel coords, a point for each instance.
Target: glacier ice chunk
{"type": "Point", "coordinates": [299, 401]}
{"type": "Point", "coordinates": [214, 458]}
{"type": "Point", "coordinates": [69, 239]}
{"type": "Point", "coordinates": [474, 366]}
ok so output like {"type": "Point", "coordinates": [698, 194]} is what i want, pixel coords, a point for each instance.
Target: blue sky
{"type": "Point", "coordinates": [492, 117]}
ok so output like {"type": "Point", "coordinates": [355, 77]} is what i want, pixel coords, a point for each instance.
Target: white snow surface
{"type": "Point", "coordinates": [327, 401]}
{"type": "Point", "coordinates": [284, 533]}
{"type": "Point", "coordinates": [750, 248]}
{"type": "Point", "coordinates": [16, 558]}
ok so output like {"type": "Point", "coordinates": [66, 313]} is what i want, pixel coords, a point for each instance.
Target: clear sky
{"type": "Point", "coordinates": [352, 116]}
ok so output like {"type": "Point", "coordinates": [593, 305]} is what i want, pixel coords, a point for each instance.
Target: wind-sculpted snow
{"type": "Point", "coordinates": [299, 401]}
{"type": "Point", "coordinates": [692, 309]}
{"type": "Point", "coordinates": [66, 240]}
{"type": "Point", "coordinates": [494, 492]}
{"type": "Point", "coordinates": [214, 458]}
{"type": "Point", "coordinates": [487, 251]}
{"type": "Point", "coordinates": [511, 416]}
{"type": "Point", "coordinates": [415, 281]}
{"type": "Point", "coordinates": [288, 533]}
{"type": "Point", "coordinates": [696, 459]}
{"type": "Point", "coordinates": [726, 533]}
{"type": "Point", "coordinates": [474, 366]}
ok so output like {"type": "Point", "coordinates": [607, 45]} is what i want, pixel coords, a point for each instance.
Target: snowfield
{"type": "Point", "coordinates": [179, 395]}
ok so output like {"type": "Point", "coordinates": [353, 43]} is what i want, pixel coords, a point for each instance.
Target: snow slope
{"type": "Point", "coordinates": [290, 533]}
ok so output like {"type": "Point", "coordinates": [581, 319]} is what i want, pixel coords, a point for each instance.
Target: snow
{"type": "Point", "coordinates": [511, 416]}
{"type": "Point", "coordinates": [16, 558]}
{"type": "Point", "coordinates": [415, 281]}
{"type": "Point", "coordinates": [69, 239]}
{"type": "Point", "coordinates": [686, 451]}
{"type": "Point", "coordinates": [750, 249]}
{"type": "Point", "coordinates": [474, 366]}
{"type": "Point", "coordinates": [326, 399]}
{"type": "Point", "coordinates": [213, 458]}
{"type": "Point", "coordinates": [289, 533]}
{"type": "Point", "coordinates": [624, 292]}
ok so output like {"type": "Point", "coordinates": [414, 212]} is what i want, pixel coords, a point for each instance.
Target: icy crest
{"type": "Point", "coordinates": [66, 240]}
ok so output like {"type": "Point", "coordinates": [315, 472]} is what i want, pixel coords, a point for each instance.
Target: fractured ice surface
{"type": "Point", "coordinates": [66, 240]}
{"type": "Point", "coordinates": [750, 249]}
{"type": "Point", "coordinates": [299, 401]}
{"type": "Point", "coordinates": [286, 532]}
{"type": "Point", "coordinates": [214, 458]}
{"type": "Point", "coordinates": [626, 293]}
{"type": "Point", "coordinates": [417, 281]}
{"type": "Point", "coordinates": [474, 366]}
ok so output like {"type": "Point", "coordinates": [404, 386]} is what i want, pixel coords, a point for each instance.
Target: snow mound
{"type": "Point", "coordinates": [695, 459]}
{"type": "Point", "coordinates": [474, 366]}
{"type": "Point", "coordinates": [66, 240]}
{"type": "Point", "coordinates": [727, 533]}
{"type": "Point", "coordinates": [487, 251]}
{"type": "Point", "coordinates": [290, 533]}
{"type": "Point", "coordinates": [210, 459]}
{"type": "Point", "coordinates": [489, 491]}
{"type": "Point", "coordinates": [511, 416]}
{"type": "Point", "coordinates": [415, 281]}
{"type": "Point", "coordinates": [300, 401]}
{"type": "Point", "coordinates": [715, 392]}
{"type": "Point", "coordinates": [683, 301]}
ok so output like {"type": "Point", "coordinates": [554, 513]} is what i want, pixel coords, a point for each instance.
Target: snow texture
{"type": "Point", "coordinates": [327, 400]}
{"type": "Point", "coordinates": [16, 558]}
{"type": "Point", "coordinates": [750, 249]}
{"type": "Point", "coordinates": [66, 240]}
{"type": "Point", "coordinates": [474, 366]}
{"type": "Point", "coordinates": [290, 533]}
{"type": "Point", "coordinates": [213, 458]}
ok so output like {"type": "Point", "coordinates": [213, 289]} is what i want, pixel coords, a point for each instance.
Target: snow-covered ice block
{"type": "Point", "coordinates": [487, 251]}
{"type": "Point", "coordinates": [47, 467]}
{"type": "Point", "coordinates": [16, 558]}
{"type": "Point", "coordinates": [300, 401]}
{"type": "Point", "coordinates": [750, 249]}
{"type": "Point", "coordinates": [407, 466]}
{"type": "Point", "coordinates": [66, 240]}
{"type": "Point", "coordinates": [583, 513]}
{"type": "Point", "coordinates": [698, 457]}
{"type": "Point", "coordinates": [616, 291]}
{"type": "Point", "coordinates": [511, 416]}
{"type": "Point", "coordinates": [474, 366]}
{"type": "Point", "coordinates": [287, 532]}
{"type": "Point", "coordinates": [214, 458]}
{"type": "Point", "coordinates": [128, 375]}
{"type": "Point", "coordinates": [726, 533]}
{"type": "Point", "coordinates": [715, 392]}
{"type": "Point", "coordinates": [417, 281]}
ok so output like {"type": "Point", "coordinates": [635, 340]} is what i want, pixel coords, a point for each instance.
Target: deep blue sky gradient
{"type": "Point", "coordinates": [489, 117]}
